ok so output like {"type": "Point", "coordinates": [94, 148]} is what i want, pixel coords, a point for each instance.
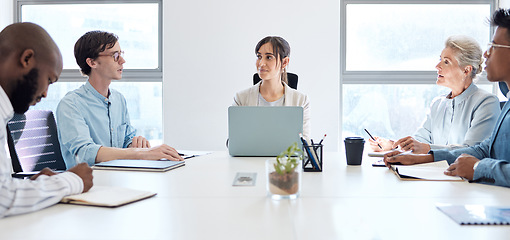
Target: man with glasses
{"type": "Point", "coordinates": [489, 161]}
{"type": "Point", "coordinates": [93, 121]}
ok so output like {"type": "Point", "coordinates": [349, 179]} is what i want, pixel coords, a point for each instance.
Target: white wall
{"type": "Point", "coordinates": [209, 55]}
{"type": "Point", "coordinates": [504, 3]}
{"type": "Point", "coordinates": [6, 13]}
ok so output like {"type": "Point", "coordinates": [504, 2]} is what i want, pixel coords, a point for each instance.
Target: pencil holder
{"type": "Point", "coordinates": [312, 158]}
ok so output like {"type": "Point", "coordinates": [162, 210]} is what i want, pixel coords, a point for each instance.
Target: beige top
{"type": "Point", "coordinates": [249, 97]}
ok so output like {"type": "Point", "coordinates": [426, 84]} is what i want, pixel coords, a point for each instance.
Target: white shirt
{"type": "Point", "coordinates": [19, 196]}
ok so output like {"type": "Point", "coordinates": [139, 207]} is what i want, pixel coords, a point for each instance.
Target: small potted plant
{"type": "Point", "coordinates": [283, 173]}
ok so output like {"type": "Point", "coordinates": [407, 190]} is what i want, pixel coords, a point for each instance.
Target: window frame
{"type": "Point", "coordinates": [129, 75]}
{"type": "Point", "coordinates": [396, 77]}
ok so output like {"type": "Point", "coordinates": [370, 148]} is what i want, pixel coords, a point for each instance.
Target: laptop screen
{"type": "Point", "coordinates": [263, 131]}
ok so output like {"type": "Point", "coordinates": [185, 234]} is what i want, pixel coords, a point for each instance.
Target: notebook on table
{"type": "Point", "coordinates": [139, 165]}
{"type": "Point", "coordinates": [263, 131]}
{"type": "Point", "coordinates": [433, 171]}
{"type": "Point", "coordinates": [105, 196]}
{"type": "Point", "coordinates": [476, 214]}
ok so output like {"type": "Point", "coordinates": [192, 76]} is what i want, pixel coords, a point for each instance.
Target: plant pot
{"type": "Point", "coordinates": [282, 186]}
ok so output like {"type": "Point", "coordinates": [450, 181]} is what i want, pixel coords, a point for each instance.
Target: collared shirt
{"type": "Point", "coordinates": [86, 120]}
{"type": "Point", "coordinates": [493, 152]}
{"type": "Point", "coordinates": [21, 196]}
{"type": "Point", "coordinates": [460, 122]}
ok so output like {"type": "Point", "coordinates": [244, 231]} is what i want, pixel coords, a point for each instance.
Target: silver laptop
{"type": "Point", "coordinates": [263, 131]}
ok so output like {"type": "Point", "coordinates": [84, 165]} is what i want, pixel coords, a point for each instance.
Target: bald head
{"type": "Point", "coordinates": [17, 37]}
{"type": "Point", "coordinates": [29, 62]}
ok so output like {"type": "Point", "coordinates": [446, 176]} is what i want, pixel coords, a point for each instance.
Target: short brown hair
{"type": "Point", "coordinates": [90, 45]}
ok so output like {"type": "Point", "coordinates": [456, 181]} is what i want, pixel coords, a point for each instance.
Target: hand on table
{"type": "Point", "coordinates": [462, 167]}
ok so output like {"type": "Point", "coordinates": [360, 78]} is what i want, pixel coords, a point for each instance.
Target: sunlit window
{"type": "Point", "coordinates": [138, 25]}
{"type": "Point", "coordinates": [389, 53]}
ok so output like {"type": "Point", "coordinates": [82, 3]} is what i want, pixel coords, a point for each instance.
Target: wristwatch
{"type": "Point", "coordinates": [476, 165]}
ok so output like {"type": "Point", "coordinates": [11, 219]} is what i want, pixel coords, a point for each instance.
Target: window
{"type": "Point", "coordinates": [138, 25]}
{"type": "Point", "coordinates": [389, 51]}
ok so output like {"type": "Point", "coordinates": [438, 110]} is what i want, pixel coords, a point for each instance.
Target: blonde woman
{"type": "Point", "coordinates": [461, 118]}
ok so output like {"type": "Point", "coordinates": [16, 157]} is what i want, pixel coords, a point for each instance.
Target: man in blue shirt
{"type": "Point", "coordinates": [488, 161]}
{"type": "Point", "coordinates": [93, 121]}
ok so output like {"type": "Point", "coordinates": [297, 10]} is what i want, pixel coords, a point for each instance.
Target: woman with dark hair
{"type": "Point", "coordinates": [272, 61]}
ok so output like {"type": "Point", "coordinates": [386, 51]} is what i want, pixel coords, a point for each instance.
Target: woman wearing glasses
{"type": "Point", "coordinates": [93, 120]}
{"type": "Point", "coordinates": [461, 118]}
{"type": "Point", "coordinates": [273, 90]}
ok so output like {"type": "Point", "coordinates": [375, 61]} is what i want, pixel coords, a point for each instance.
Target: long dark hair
{"type": "Point", "coordinates": [281, 50]}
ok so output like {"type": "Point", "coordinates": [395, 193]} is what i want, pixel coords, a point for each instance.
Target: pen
{"type": "Point", "coordinates": [373, 138]}
{"type": "Point", "coordinates": [322, 139]}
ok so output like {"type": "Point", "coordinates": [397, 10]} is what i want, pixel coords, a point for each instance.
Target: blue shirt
{"type": "Point", "coordinates": [86, 120]}
{"type": "Point", "coordinates": [460, 122]}
{"type": "Point", "coordinates": [494, 153]}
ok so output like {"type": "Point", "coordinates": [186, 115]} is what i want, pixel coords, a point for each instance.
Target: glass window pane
{"type": "Point", "coordinates": [390, 110]}
{"type": "Point", "coordinates": [408, 37]}
{"type": "Point", "coordinates": [144, 101]}
{"type": "Point", "coordinates": [136, 25]}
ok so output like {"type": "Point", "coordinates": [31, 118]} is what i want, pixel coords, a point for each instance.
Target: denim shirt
{"type": "Point", "coordinates": [86, 120]}
{"type": "Point", "coordinates": [494, 153]}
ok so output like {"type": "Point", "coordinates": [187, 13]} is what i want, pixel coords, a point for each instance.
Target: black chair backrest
{"type": "Point", "coordinates": [291, 78]}
{"type": "Point", "coordinates": [504, 89]}
{"type": "Point", "coordinates": [33, 142]}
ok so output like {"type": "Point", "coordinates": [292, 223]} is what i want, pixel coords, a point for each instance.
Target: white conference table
{"type": "Point", "coordinates": [198, 201]}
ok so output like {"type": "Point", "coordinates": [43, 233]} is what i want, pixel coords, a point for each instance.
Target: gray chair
{"type": "Point", "coordinates": [33, 143]}
{"type": "Point", "coordinates": [292, 79]}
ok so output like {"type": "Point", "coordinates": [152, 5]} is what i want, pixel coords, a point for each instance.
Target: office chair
{"type": "Point", "coordinates": [291, 78]}
{"type": "Point", "coordinates": [504, 89]}
{"type": "Point", "coordinates": [33, 142]}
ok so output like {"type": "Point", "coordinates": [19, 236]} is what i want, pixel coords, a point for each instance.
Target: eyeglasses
{"type": "Point", "coordinates": [493, 45]}
{"type": "Point", "coordinates": [115, 55]}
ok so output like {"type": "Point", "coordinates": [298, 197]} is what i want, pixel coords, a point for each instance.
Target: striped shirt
{"type": "Point", "coordinates": [19, 196]}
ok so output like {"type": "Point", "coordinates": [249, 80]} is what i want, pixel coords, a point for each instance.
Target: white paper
{"type": "Point", "coordinates": [428, 171]}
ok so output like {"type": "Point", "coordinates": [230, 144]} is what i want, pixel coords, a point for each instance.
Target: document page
{"type": "Point", "coordinates": [426, 171]}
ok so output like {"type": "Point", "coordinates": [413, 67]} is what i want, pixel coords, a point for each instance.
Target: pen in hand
{"type": "Point", "coordinates": [373, 138]}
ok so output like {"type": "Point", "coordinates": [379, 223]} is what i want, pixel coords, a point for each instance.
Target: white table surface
{"type": "Point", "coordinates": [198, 201]}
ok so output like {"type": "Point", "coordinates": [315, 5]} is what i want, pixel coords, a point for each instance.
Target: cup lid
{"type": "Point", "coordinates": [354, 139]}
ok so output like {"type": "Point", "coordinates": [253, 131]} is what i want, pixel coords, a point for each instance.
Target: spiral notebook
{"type": "Point", "coordinates": [476, 214]}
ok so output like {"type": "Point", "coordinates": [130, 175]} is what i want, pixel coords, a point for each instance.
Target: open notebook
{"type": "Point", "coordinates": [103, 196]}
